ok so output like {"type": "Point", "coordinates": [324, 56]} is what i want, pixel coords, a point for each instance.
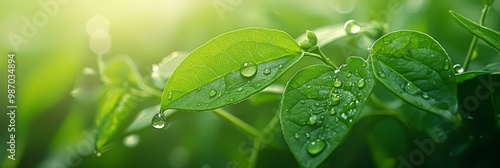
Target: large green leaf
{"type": "Point", "coordinates": [320, 105]}
{"type": "Point", "coordinates": [229, 68]}
{"type": "Point", "coordinates": [489, 36]}
{"type": "Point", "coordinates": [416, 68]}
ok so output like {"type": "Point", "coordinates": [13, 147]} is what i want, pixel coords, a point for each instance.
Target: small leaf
{"type": "Point", "coordinates": [230, 68]}
{"type": "Point", "coordinates": [114, 108]}
{"type": "Point", "coordinates": [162, 71]}
{"type": "Point", "coordinates": [319, 107]}
{"type": "Point", "coordinates": [120, 72]}
{"type": "Point", "coordinates": [416, 68]}
{"type": "Point", "coordinates": [489, 36]}
{"type": "Point", "coordinates": [471, 74]}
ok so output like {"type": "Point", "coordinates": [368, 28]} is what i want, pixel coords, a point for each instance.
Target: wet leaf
{"type": "Point", "coordinates": [230, 68]}
{"type": "Point", "coordinates": [416, 68]}
{"type": "Point", "coordinates": [489, 36]}
{"type": "Point", "coordinates": [320, 105]}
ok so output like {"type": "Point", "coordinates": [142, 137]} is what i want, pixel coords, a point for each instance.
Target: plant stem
{"type": "Point", "coordinates": [254, 155]}
{"type": "Point", "coordinates": [238, 123]}
{"type": "Point", "coordinates": [319, 55]}
{"type": "Point", "coordinates": [473, 43]}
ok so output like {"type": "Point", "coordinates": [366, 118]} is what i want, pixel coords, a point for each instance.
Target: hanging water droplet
{"type": "Point", "coordinates": [425, 95]}
{"type": "Point", "coordinates": [159, 121]}
{"type": "Point", "coordinates": [212, 93]}
{"type": "Point", "coordinates": [352, 27]}
{"type": "Point", "coordinates": [410, 88]}
{"type": "Point", "coordinates": [169, 95]}
{"type": "Point", "coordinates": [312, 120]}
{"type": "Point", "coordinates": [297, 136]}
{"type": "Point", "coordinates": [361, 83]}
{"type": "Point", "coordinates": [280, 66]}
{"type": "Point", "coordinates": [308, 135]}
{"type": "Point", "coordinates": [240, 89]}
{"type": "Point", "coordinates": [446, 65]}
{"type": "Point", "coordinates": [248, 69]}
{"type": "Point", "coordinates": [337, 83]}
{"type": "Point", "coordinates": [458, 68]}
{"type": "Point", "coordinates": [315, 147]}
{"type": "Point", "coordinates": [267, 71]}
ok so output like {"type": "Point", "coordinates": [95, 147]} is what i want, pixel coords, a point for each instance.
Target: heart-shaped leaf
{"type": "Point", "coordinates": [416, 68]}
{"type": "Point", "coordinates": [230, 68]}
{"type": "Point", "coordinates": [320, 105]}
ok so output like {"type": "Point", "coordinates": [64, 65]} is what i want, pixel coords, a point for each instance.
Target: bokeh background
{"type": "Point", "coordinates": [52, 38]}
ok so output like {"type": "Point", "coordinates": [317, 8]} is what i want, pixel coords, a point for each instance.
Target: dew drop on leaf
{"type": "Point", "coordinates": [312, 120]}
{"type": "Point", "coordinates": [349, 75]}
{"type": "Point", "coordinates": [169, 95]}
{"type": "Point", "coordinates": [98, 154]}
{"type": "Point", "coordinates": [361, 83]}
{"type": "Point", "coordinates": [308, 135]}
{"type": "Point", "coordinates": [382, 75]}
{"type": "Point", "coordinates": [212, 93]}
{"type": "Point", "coordinates": [332, 111]}
{"type": "Point", "coordinates": [315, 147]}
{"type": "Point", "coordinates": [302, 101]}
{"type": "Point", "coordinates": [240, 89]}
{"type": "Point", "coordinates": [267, 71]}
{"type": "Point", "coordinates": [446, 66]}
{"type": "Point", "coordinates": [248, 69]}
{"type": "Point", "coordinates": [425, 95]}
{"type": "Point", "coordinates": [159, 121]}
{"type": "Point", "coordinates": [334, 99]}
{"type": "Point", "coordinates": [458, 68]}
{"type": "Point", "coordinates": [297, 136]}
{"type": "Point", "coordinates": [352, 27]}
{"type": "Point", "coordinates": [280, 66]}
{"type": "Point", "coordinates": [337, 83]}
{"type": "Point", "coordinates": [410, 88]}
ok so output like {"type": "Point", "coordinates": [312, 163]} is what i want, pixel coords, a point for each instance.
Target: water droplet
{"type": "Point", "coordinates": [297, 136]}
{"type": "Point", "coordinates": [410, 88]}
{"type": "Point", "coordinates": [98, 154]}
{"type": "Point", "coordinates": [159, 121]}
{"type": "Point", "coordinates": [248, 69]}
{"type": "Point", "coordinates": [308, 135]}
{"type": "Point", "coordinates": [458, 68]}
{"type": "Point", "coordinates": [240, 89]}
{"type": "Point", "coordinates": [382, 74]}
{"type": "Point", "coordinates": [212, 93]}
{"type": "Point", "coordinates": [267, 71]}
{"type": "Point", "coordinates": [332, 111]}
{"type": "Point", "coordinates": [349, 75]}
{"type": "Point", "coordinates": [280, 66]}
{"type": "Point", "coordinates": [334, 99]}
{"type": "Point", "coordinates": [315, 147]}
{"type": "Point", "coordinates": [302, 101]}
{"type": "Point", "coordinates": [361, 83]}
{"type": "Point", "coordinates": [337, 83]}
{"type": "Point", "coordinates": [364, 63]}
{"type": "Point", "coordinates": [446, 65]}
{"type": "Point", "coordinates": [425, 95]}
{"type": "Point", "coordinates": [312, 120]}
{"type": "Point", "coordinates": [169, 95]}
{"type": "Point", "coordinates": [352, 27]}
{"type": "Point", "coordinates": [344, 116]}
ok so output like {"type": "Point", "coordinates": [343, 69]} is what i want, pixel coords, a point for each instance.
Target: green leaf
{"type": "Point", "coordinates": [230, 68]}
{"type": "Point", "coordinates": [488, 2]}
{"type": "Point", "coordinates": [488, 35]}
{"type": "Point", "coordinates": [119, 72]}
{"type": "Point", "coordinates": [416, 68]}
{"type": "Point", "coordinates": [162, 71]}
{"type": "Point", "coordinates": [114, 110]}
{"type": "Point", "coordinates": [320, 105]}
{"type": "Point", "coordinates": [471, 74]}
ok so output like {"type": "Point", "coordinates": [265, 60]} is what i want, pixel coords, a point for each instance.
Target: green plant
{"type": "Point", "coordinates": [321, 103]}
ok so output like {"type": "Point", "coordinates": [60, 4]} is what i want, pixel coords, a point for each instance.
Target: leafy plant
{"type": "Point", "coordinates": [321, 103]}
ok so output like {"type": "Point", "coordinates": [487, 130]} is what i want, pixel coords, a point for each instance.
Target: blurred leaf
{"type": "Point", "coordinates": [488, 2]}
{"type": "Point", "coordinates": [163, 70]}
{"type": "Point", "coordinates": [120, 71]}
{"type": "Point", "coordinates": [320, 106]}
{"type": "Point", "coordinates": [114, 108]}
{"type": "Point", "coordinates": [489, 36]}
{"type": "Point", "coordinates": [416, 68]}
{"type": "Point", "coordinates": [229, 68]}
{"type": "Point", "coordinates": [143, 118]}
{"type": "Point", "coordinates": [87, 86]}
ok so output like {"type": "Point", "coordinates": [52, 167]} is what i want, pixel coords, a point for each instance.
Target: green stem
{"type": "Point", "coordinates": [473, 43]}
{"type": "Point", "coordinates": [254, 155]}
{"type": "Point", "coordinates": [238, 123]}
